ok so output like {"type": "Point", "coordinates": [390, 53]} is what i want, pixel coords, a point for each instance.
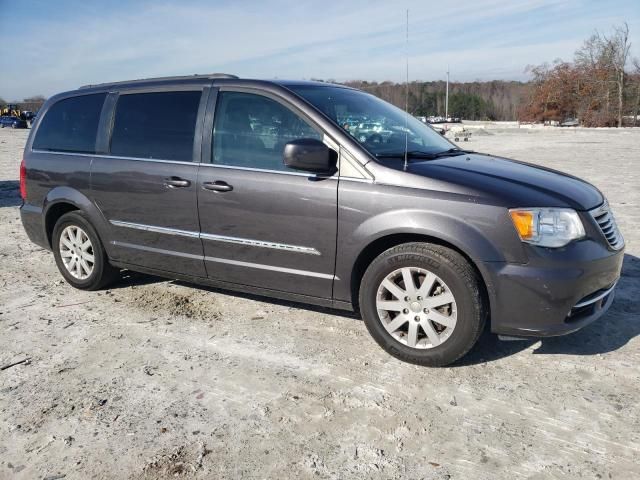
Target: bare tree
{"type": "Point", "coordinates": [595, 87]}
{"type": "Point", "coordinates": [32, 103]}
{"type": "Point", "coordinates": [594, 62]}
{"type": "Point", "coordinates": [636, 108]}
{"type": "Point", "coordinates": [619, 47]}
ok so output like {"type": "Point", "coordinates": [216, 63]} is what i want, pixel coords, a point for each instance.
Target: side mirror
{"type": "Point", "coordinates": [310, 155]}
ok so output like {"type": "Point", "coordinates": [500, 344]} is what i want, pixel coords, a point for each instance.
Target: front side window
{"type": "Point", "coordinates": [251, 131]}
{"type": "Point", "coordinates": [380, 127]}
{"type": "Point", "coordinates": [71, 125]}
{"type": "Point", "coordinates": [156, 125]}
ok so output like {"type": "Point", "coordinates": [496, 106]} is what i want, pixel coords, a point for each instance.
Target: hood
{"type": "Point", "coordinates": [513, 183]}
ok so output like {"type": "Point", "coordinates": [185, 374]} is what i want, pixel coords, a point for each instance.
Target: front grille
{"type": "Point", "coordinates": [604, 218]}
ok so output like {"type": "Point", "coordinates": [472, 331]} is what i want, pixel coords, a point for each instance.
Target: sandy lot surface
{"type": "Point", "coordinates": [154, 378]}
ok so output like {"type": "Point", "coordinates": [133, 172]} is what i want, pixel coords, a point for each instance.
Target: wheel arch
{"type": "Point", "coordinates": [62, 200]}
{"type": "Point", "coordinates": [54, 212]}
{"type": "Point", "coordinates": [381, 244]}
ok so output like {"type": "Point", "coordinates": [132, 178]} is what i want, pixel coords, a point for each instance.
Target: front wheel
{"type": "Point", "coordinates": [79, 253]}
{"type": "Point", "coordinates": [423, 303]}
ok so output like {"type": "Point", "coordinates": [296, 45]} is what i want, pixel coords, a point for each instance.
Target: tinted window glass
{"type": "Point", "coordinates": [252, 130]}
{"type": "Point", "coordinates": [379, 126]}
{"type": "Point", "coordinates": [71, 125]}
{"type": "Point", "coordinates": [156, 125]}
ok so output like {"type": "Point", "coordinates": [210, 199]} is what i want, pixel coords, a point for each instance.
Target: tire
{"type": "Point", "coordinates": [451, 275]}
{"type": "Point", "coordinates": [96, 275]}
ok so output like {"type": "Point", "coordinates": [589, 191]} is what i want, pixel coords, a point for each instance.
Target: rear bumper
{"type": "Point", "coordinates": [556, 293]}
{"type": "Point", "coordinates": [33, 223]}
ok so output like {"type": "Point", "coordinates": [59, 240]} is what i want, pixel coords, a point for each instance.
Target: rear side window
{"type": "Point", "coordinates": [71, 125]}
{"type": "Point", "coordinates": [156, 125]}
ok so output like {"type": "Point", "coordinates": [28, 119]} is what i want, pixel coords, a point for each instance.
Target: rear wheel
{"type": "Point", "coordinates": [422, 303]}
{"type": "Point", "coordinates": [79, 253]}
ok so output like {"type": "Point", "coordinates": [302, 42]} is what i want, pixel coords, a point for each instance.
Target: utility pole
{"type": "Point", "coordinates": [446, 102]}
{"type": "Point", "coordinates": [406, 102]}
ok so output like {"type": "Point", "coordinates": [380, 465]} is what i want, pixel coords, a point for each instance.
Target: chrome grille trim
{"type": "Point", "coordinates": [600, 296]}
{"type": "Point", "coordinates": [608, 227]}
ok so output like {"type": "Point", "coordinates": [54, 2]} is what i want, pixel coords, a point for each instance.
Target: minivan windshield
{"type": "Point", "coordinates": [381, 128]}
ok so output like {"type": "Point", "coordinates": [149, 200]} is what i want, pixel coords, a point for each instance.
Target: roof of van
{"type": "Point", "coordinates": [186, 79]}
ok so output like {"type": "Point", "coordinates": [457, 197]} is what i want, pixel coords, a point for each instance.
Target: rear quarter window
{"type": "Point", "coordinates": [71, 125]}
{"type": "Point", "coordinates": [156, 125]}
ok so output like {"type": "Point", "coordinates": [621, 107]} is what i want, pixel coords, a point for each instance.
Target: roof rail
{"type": "Point", "coordinates": [159, 79]}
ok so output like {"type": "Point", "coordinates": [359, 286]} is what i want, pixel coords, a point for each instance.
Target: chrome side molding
{"type": "Point", "coordinates": [260, 243]}
{"type": "Point", "coordinates": [217, 238]}
{"type": "Point", "coordinates": [151, 228]}
{"type": "Point", "coordinates": [271, 268]}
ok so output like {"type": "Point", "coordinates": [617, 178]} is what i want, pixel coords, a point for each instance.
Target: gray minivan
{"type": "Point", "coordinates": [273, 188]}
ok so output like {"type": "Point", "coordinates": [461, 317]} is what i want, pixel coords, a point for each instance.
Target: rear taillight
{"type": "Point", "coordinates": [23, 181]}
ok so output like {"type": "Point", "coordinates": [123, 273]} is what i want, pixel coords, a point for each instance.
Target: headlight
{"type": "Point", "coordinates": [547, 227]}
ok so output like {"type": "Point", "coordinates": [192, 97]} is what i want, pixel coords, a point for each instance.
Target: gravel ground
{"type": "Point", "coordinates": [155, 378]}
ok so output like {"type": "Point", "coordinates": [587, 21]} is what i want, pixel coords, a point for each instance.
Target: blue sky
{"type": "Point", "coordinates": [47, 46]}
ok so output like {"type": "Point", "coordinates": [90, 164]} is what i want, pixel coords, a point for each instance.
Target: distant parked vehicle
{"type": "Point", "coordinates": [436, 119]}
{"type": "Point", "coordinates": [12, 122]}
{"type": "Point", "coordinates": [28, 116]}
{"type": "Point", "coordinates": [570, 122]}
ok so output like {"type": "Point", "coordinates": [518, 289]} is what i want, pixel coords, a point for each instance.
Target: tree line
{"type": "Point", "coordinates": [31, 104]}
{"type": "Point", "coordinates": [495, 100]}
{"type": "Point", "coordinates": [599, 88]}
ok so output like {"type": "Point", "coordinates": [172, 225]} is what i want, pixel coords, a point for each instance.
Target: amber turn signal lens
{"type": "Point", "coordinates": [523, 221]}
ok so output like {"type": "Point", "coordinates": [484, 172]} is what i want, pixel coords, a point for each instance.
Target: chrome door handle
{"type": "Point", "coordinates": [217, 186]}
{"type": "Point", "coordinates": [176, 182]}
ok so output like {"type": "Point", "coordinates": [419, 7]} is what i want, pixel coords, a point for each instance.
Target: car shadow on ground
{"type": "Point", "coordinates": [275, 301]}
{"type": "Point", "coordinates": [611, 332]}
{"type": "Point", "coordinates": [130, 278]}
{"type": "Point", "coordinates": [10, 193]}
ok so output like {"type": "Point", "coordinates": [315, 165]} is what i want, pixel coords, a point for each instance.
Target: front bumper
{"type": "Point", "coordinates": [557, 292]}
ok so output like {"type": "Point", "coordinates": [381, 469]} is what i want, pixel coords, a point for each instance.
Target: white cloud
{"type": "Point", "coordinates": [358, 39]}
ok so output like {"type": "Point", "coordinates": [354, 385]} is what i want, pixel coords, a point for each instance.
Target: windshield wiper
{"type": "Point", "coordinates": [452, 152]}
{"type": "Point", "coordinates": [410, 154]}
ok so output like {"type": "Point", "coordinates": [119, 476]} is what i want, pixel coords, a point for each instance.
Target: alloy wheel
{"type": "Point", "coordinates": [416, 307]}
{"type": "Point", "coordinates": [77, 253]}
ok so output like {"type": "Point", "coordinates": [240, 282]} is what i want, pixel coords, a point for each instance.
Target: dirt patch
{"type": "Point", "coordinates": [143, 381]}
{"type": "Point", "coordinates": [183, 461]}
{"type": "Point", "coordinates": [166, 302]}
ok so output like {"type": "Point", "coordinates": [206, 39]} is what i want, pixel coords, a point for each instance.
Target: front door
{"type": "Point", "coordinates": [146, 185]}
{"type": "Point", "coordinates": [263, 224]}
